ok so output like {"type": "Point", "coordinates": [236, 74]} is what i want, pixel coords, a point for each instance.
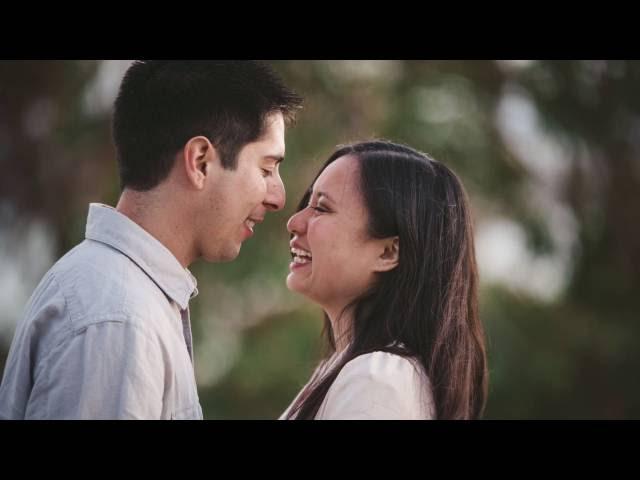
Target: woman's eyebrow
{"type": "Point", "coordinates": [324, 194]}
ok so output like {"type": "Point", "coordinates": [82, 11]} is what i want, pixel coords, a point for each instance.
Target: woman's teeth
{"type": "Point", "coordinates": [300, 256]}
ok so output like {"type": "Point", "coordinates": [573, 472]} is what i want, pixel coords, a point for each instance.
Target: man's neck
{"type": "Point", "coordinates": [158, 219]}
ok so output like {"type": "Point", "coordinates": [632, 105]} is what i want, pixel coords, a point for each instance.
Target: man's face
{"type": "Point", "coordinates": [237, 200]}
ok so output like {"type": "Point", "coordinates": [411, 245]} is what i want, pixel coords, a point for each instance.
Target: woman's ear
{"type": "Point", "coordinates": [389, 256]}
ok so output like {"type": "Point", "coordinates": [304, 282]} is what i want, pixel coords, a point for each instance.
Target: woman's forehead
{"type": "Point", "coordinates": [339, 178]}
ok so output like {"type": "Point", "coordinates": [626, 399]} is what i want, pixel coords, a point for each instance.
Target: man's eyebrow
{"type": "Point", "coordinates": [277, 158]}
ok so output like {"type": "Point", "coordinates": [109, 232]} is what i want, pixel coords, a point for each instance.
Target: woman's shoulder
{"type": "Point", "coordinates": [384, 371]}
{"type": "Point", "coordinates": [384, 367]}
{"type": "Point", "coordinates": [380, 385]}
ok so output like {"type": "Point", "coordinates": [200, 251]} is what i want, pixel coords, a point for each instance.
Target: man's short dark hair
{"type": "Point", "coordinates": [162, 104]}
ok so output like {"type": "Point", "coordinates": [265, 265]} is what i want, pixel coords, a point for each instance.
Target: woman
{"type": "Point", "coordinates": [383, 242]}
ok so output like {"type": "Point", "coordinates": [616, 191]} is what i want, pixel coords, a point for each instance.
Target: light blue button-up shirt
{"type": "Point", "coordinates": [106, 334]}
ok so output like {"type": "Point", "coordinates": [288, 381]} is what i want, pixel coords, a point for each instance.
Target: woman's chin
{"type": "Point", "coordinates": [295, 285]}
{"type": "Point", "coordinates": [292, 283]}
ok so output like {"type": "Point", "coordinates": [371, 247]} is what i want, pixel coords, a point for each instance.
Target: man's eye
{"type": "Point", "coordinates": [266, 173]}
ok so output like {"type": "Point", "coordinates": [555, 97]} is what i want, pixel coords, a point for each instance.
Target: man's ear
{"type": "Point", "coordinates": [389, 254]}
{"type": "Point", "coordinates": [199, 157]}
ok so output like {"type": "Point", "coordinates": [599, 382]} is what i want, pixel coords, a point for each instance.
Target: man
{"type": "Point", "coordinates": [106, 334]}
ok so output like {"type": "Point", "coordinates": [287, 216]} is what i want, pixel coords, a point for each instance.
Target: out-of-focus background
{"type": "Point", "coordinates": [549, 152]}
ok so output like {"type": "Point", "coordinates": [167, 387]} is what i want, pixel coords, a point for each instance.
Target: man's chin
{"type": "Point", "coordinates": [225, 256]}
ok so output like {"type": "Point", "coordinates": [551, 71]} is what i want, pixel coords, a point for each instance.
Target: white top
{"type": "Point", "coordinates": [376, 386]}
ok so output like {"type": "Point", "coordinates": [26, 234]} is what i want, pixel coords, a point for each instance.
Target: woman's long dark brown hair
{"type": "Point", "coordinates": [427, 307]}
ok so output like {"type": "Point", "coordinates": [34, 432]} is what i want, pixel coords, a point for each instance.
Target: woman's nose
{"type": "Point", "coordinates": [297, 223]}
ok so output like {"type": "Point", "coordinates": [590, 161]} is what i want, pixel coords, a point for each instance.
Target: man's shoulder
{"type": "Point", "coordinates": [95, 263]}
{"type": "Point", "coordinates": [92, 254]}
{"type": "Point", "coordinates": [99, 281]}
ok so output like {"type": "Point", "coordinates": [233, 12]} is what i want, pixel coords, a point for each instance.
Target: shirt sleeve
{"type": "Point", "coordinates": [109, 370]}
{"type": "Point", "coordinates": [376, 386]}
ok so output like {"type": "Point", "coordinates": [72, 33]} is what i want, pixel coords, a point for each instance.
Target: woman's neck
{"type": "Point", "coordinates": [341, 322]}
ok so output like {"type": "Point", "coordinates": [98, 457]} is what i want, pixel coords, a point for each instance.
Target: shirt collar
{"type": "Point", "coordinates": [106, 225]}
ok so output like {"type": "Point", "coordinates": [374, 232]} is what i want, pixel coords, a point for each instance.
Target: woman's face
{"type": "Point", "coordinates": [334, 259]}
